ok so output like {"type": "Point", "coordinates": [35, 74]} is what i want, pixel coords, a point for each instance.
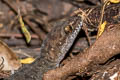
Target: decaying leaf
{"type": "Point", "coordinates": [8, 59]}
{"type": "Point", "coordinates": [28, 60]}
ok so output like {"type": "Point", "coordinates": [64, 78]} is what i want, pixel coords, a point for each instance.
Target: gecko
{"type": "Point", "coordinates": [8, 59]}
{"type": "Point", "coordinates": [53, 49]}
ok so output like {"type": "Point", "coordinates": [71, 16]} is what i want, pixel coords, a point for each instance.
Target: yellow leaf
{"type": "Point", "coordinates": [27, 60]}
{"type": "Point", "coordinates": [114, 1]}
{"type": "Point", "coordinates": [24, 29]}
{"type": "Point", "coordinates": [101, 29]}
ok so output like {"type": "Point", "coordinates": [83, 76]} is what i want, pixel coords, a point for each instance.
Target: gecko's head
{"type": "Point", "coordinates": [62, 37]}
{"type": "Point", "coordinates": [66, 29]}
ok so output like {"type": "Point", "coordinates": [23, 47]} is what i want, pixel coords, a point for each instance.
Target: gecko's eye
{"type": "Point", "coordinates": [68, 29]}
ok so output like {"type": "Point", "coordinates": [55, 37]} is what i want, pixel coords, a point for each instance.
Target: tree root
{"type": "Point", "coordinates": [105, 47]}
